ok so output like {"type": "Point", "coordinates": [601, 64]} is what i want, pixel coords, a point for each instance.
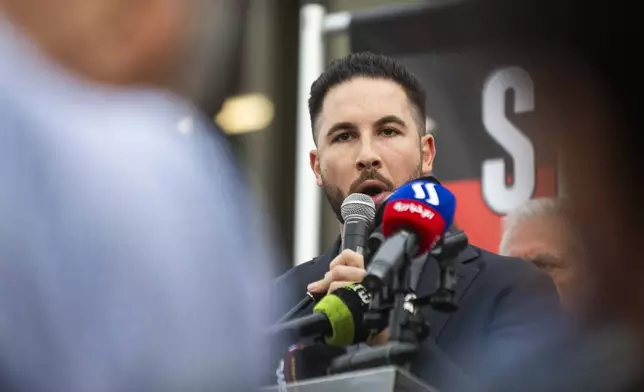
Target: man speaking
{"type": "Point", "coordinates": [368, 119]}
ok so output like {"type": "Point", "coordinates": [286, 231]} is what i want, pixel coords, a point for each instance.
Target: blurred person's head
{"type": "Point", "coordinates": [368, 120]}
{"type": "Point", "coordinates": [541, 231]}
{"type": "Point", "coordinates": [604, 180]}
{"type": "Point", "coordinates": [189, 46]}
{"type": "Point", "coordinates": [597, 96]}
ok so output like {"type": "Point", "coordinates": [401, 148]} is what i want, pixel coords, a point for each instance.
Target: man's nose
{"type": "Point", "coordinates": [368, 159]}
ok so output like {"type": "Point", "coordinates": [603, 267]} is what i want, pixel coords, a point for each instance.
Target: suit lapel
{"type": "Point", "coordinates": [428, 283]}
{"type": "Point", "coordinates": [328, 256]}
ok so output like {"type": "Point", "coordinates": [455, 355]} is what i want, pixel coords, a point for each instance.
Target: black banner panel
{"type": "Point", "coordinates": [488, 100]}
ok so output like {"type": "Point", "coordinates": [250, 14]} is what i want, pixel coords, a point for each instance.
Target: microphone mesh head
{"type": "Point", "coordinates": [358, 205]}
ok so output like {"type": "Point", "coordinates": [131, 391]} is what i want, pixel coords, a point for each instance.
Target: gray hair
{"type": "Point", "coordinates": [531, 209]}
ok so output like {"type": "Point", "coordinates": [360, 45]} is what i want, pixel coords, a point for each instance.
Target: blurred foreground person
{"type": "Point", "coordinates": [540, 230]}
{"type": "Point", "coordinates": [131, 256]}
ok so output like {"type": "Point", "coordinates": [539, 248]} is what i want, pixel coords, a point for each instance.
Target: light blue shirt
{"type": "Point", "coordinates": [132, 257]}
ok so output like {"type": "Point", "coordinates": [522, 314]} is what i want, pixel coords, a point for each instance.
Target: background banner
{"type": "Point", "coordinates": [485, 101]}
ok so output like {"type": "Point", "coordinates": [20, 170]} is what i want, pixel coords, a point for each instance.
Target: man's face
{"type": "Point", "coordinates": [546, 242]}
{"type": "Point", "coordinates": [368, 141]}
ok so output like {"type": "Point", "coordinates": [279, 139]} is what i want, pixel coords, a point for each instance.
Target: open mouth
{"type": "Point", "coordinates": [372, 188]}
{"type": "Point", "coordinates": [372, 191]}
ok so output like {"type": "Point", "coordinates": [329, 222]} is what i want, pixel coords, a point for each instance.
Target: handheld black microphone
{"type": "Point", "coordinates": [358, 212]}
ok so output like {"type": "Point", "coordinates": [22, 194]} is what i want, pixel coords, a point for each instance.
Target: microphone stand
{"type": "Point", "coordinates": [395, 304]}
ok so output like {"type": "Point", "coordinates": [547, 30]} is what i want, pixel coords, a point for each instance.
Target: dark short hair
{"type": "Point", "coordinates": [366, 64]}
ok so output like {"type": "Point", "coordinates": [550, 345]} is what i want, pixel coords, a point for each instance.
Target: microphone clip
{"type": "Point", "coordinates": [448, 248]}
{"type": "Point", "coordinates": [388, 279]}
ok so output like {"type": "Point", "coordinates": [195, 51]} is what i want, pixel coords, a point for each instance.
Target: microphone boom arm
{"type": "Point", "coordinates": [391, 256]}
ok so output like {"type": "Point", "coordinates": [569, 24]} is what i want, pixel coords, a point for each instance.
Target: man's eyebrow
{"type": "Point", "coordinates": [340, 126]}
{"type": "Point", "coordinates": [345, 125]}
{"type": "Point", "coordinates": [391, 119]}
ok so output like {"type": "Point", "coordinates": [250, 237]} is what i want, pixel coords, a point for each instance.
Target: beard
{"type": "Point", "coordinates": [335, 196]}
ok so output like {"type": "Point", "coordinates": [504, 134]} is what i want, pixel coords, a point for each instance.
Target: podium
{"type": "Point", "coordinates": [382, 379]}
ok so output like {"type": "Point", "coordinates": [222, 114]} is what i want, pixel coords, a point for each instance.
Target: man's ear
{"type": "Point", "coordinates": [314, 161]}
{"type": "Point", "coordinates": [428, 152]}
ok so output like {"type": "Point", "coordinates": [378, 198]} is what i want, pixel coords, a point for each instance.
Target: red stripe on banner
{"type": "Point", "coordinates": [482, 225]}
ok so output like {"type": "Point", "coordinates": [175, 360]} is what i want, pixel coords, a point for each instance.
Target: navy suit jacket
{"type": "Point", "coordinates": [507, 309]}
